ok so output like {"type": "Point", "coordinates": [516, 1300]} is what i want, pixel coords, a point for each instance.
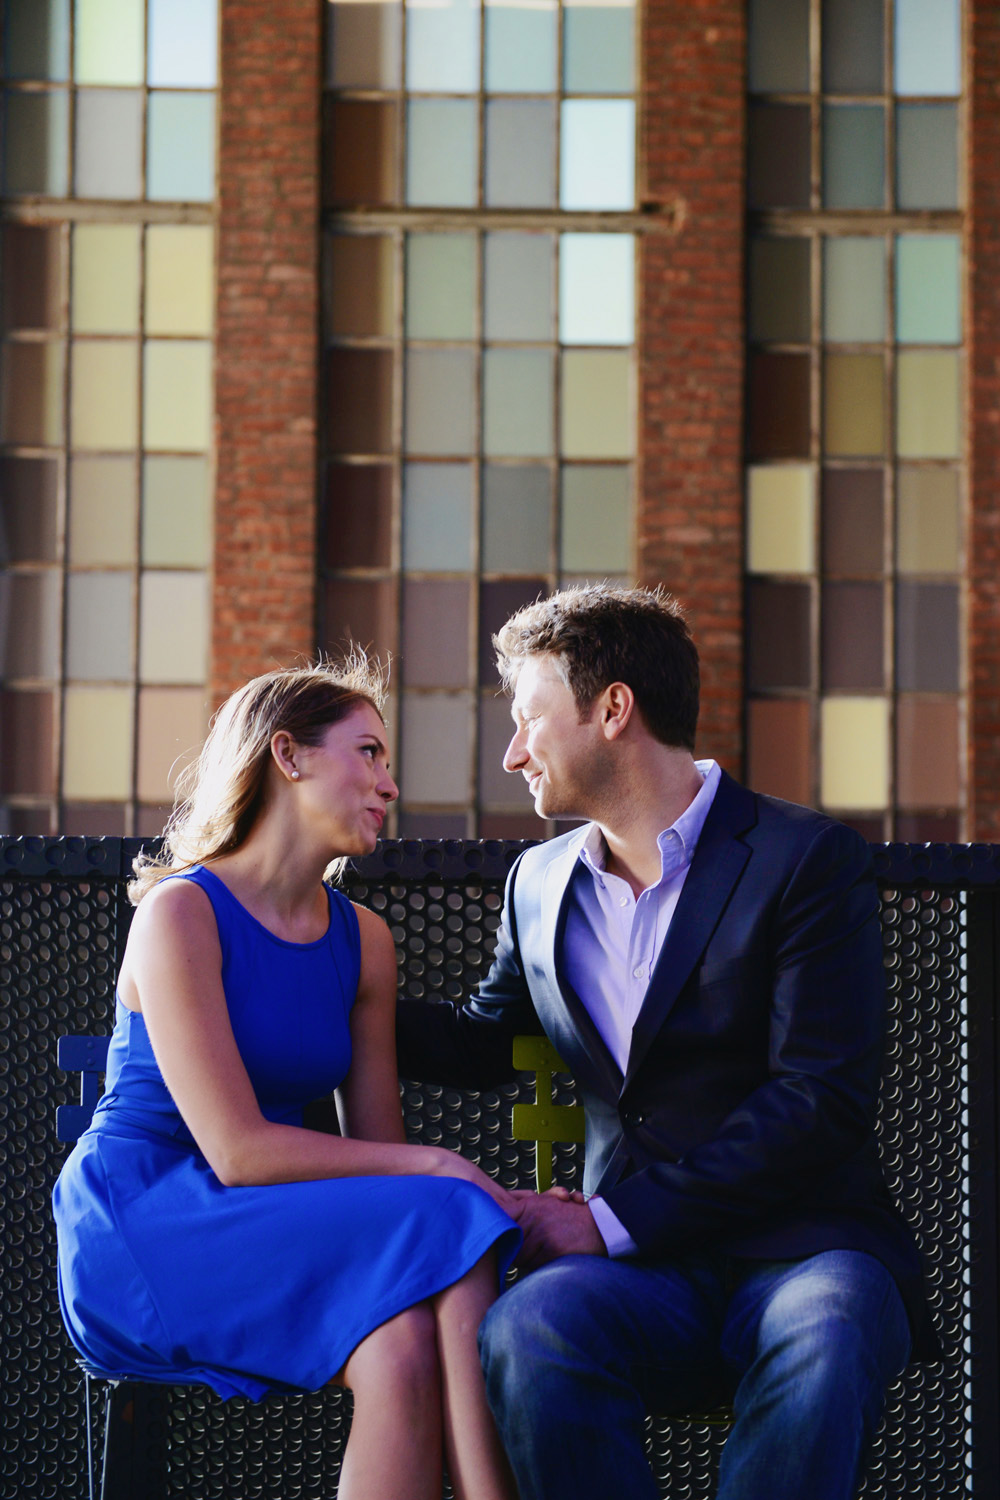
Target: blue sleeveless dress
{"type": "Point", "coordinates": [166, 1274]}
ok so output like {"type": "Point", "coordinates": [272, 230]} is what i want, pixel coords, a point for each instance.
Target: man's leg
{"type": "Point", "coordinates": [816, 1343]}
{"type": "Point", "coordinates": [574, 1353]}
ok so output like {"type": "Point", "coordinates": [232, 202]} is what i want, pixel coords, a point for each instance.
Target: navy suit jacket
{"type": "Point", "coordinates": [745, 1120]}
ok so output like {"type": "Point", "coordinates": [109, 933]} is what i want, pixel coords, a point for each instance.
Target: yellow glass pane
{"type": "Point", "coordinates": [927, 513]}
{"type": "Point", "coordinates": [102, 505]}
{"type": "Point", "coordinates": [172, 725]}
{"type": "Point", "coordinates": [173, 627]}
{"type": "Point", "coordinates": [104, 394]}
{"type": "Point", "coordinates": [927, 404]}
{"type": "Point", "coordinates": [97, 744]}
{"type": "Point", "coordinates": [180, 282]}
{"type": "Point", "coordinates": [105, 282]}
{"type": "Point", "coordinates": [109, 41]}
{"type": "Point", "coordinates": [177, 395]}
{"type": "Point", "coordinates": [176, 512]}
{"type": "Point", "coordinates": [854, 754]}
{"type": "Point", "coordinates": [596, 417]}
{"type": "Point", "coordinates": [853, 405]}
{"type": "Point", "coordinates": [780, 525]}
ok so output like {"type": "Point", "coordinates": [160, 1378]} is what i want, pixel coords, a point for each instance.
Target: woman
{"type": "Point", "coordinates": [203, 1233]}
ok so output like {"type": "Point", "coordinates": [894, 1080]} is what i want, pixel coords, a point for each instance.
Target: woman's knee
{"type": "Point", "coordinates": [402, 1352]}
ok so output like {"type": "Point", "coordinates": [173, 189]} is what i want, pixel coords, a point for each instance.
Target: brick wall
{"type": "Point", "coordinates": [692, 342]}
{"type": "Point", "coordinates": [267, 334]}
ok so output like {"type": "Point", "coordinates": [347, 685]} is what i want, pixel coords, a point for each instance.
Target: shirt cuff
{"type": "Point", "coordinates": [616, 1237]}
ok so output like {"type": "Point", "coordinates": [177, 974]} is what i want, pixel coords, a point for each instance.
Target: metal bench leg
{"type": "Point", "coordinates": [135, 1442]}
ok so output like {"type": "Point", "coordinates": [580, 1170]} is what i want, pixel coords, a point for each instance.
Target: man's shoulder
{"type": "Point", "coordinates": [771, 821]}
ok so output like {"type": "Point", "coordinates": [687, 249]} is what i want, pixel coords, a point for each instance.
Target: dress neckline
{"type": "Point", "coordinates": [219, 884]}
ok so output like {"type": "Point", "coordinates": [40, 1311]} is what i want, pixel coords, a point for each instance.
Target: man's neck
{"type": "Point", "coordinates": [648, 804]}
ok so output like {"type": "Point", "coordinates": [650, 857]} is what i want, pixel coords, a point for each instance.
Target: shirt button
{"type": "Point", "coordinates": [638, 971]}
{"type": "Point", "coordinates": [623, 901]}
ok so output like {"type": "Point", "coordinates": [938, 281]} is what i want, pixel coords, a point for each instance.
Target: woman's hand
{"type": "Point", "coordinates": [449, 1164]}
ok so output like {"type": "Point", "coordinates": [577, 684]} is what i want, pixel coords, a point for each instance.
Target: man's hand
{"type": "Point", "coordinates": [554, 1223]}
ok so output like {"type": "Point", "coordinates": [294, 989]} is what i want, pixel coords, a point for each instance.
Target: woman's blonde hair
{"type": "Point", "coordinates": [220, 795]}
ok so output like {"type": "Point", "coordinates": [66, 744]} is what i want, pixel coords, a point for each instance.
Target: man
{"type": "Point", "coordinates": [708, 963]}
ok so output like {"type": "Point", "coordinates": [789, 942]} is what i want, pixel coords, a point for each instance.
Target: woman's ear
{"type": "Point", "coordinates": [283, 750]}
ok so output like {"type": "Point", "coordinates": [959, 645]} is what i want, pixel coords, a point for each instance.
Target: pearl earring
{"type": "Point", "coordinates": [295, 775]}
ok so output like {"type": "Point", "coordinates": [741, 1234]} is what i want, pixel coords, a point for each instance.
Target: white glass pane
{"type": "Point", "coordinates": [97, 744]}
{"type": "Point", "coordinates": [780, 519]}
{"type": "Point", "coordinates": [109, 40]}
{"type": "Point", "coordinates": [440, 286]}
{"type": "Point", "coordinates": [105, 280]}
{"type": "Point", "coordinates": [99, 627]}
{"type": "Point", "coordinates": [521, 42]}
{"type": "Point", "coordinates": [517, 403]}
{"type": "Point", "coordinates": [854, 277]}
{"type": "Point", "coordinates": [183, 43]}
{"type": "Point", "coordinates": [180, 280]}
{"type": "Point", "coordinates": [177, 395]}
{"type": "Point", "coordinates": [437, 517]}
{"type": "Point", "coordinates": [173, 627]}
{"type": "Point", "coordinates": [596, 288]}
{"type": "Point", "coordinates": [928, 47]}
{"type": "Point", "coordinates": [597, 154]}
{"type": "Point", "coordinates": [442, 46]}
{"type": "Point", "coordinates": [928, 289]}
{"type": "Point", "coordinates": [176, 513]}
{"type": "Point", "coordinates": [432, 721]}
{"type": "Point", "coordinates": [854, 754]}
{"type": "Point", "coordinates": [104, 394]}
{"type": "Point", "coordinates": [37, 39]}
{"type": "Point", "coordinates": [180, 163]}
{"type": "Point", "coordinates": [442, 153]}
{"type": "Point", "coordinates": [108, 158]}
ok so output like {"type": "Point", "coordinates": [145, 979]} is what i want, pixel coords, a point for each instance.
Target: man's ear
{"type": "Point", "coordinates": [616, 706]}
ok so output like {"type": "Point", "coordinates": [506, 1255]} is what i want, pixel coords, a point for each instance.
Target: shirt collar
{"type": "Point", "coordinates": [592, 851]}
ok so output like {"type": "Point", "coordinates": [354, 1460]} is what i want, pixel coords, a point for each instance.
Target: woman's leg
{"type": "Point", "coordinates": [477, 1465]}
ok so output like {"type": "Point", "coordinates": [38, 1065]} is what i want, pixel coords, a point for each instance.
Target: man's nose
{"type": "Point", "coordinates": [516, 754]}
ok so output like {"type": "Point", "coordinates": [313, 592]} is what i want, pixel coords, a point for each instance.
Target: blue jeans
{"type": "Point", "coordinates": [578, 1352]}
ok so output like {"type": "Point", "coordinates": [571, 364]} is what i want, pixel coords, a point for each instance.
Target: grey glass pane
{"type": "Point", "coordinates": [518, 400]}
{"type": "Point", "coordinates": [434, 641]}
{"type": "Point", "coordinates": [927, 47]}
{"type": "Point", "coordinates": [853, 46]}
{"type": "Point", "coordinates": [517, 518]}
{"type": "Point", "coordinates": [441, 152]}
{"type": "Point", "coordinates": [853, 156]}
{"type": "Point", "coordinates": [108, 158]}
{"type": "Point", "coordinates": [521, 45]}
{"type": "Point", "coordinates": [598, 49]}
{"type": "Point", "coordinates": [29, 624]}
{"type": "Point", "coordinates": [183, 44]}
{"type": "Point", "coordinates": [439, 402]}
{"type": "Point", "coordinates": [927, 156]}
{"type": "Point", "coordinates": [520, 153]}
{"type": "Point", "coordinates": [517, 292]}
{"type": "Point", "coordinates": [442, 47]}
{"type": "Point", "coordinates": [854, 289]}
{"type": "Point", "coordinates": [778, 46]}
{"type": "Point", "coordinates": [595, 531]}
{"type": "Point", "coordinates": [779, 294]}
{"type": "Point", "coordinates": [99, 627]}
{"type": "Point", "coordinates": [928, 289]}
{"type": "Point", "coordinates": [437, 517]}
{"type": "Point", "coordinates": [497, 787]}
{"type": "Point", "coordinates": [36, 144]}
{"type": "Point", "coordinates": [364, 44]}
{"type": "Point", "coordinates": [597, 154]}
{"type": "Point", "coordinates": [440, 297]}
{"type": "Point", "coordinates": [36, 39]}
{"type": "Point", "coordinates": [431, 721]}
{"type": "Point", "coordinates": [180, 161]}
{"type": "Point", "coordinates": [927, 639]}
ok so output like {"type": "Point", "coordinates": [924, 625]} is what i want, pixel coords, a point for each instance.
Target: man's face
{"type": "Point", "coordinates": [557, 754]}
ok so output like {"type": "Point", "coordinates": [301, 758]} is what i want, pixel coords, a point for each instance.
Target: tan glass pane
{"type": "Point", "coordinates": [97, 743]}
{"type": "Point", "coordinates": [779, 292]}
{"type": "Point", "coordinates": [927, 404]}
{"type": "Point", "coordinates": [364, 44]}
{"type": "Point", "coordinates": [177, 395]}
{"type": "Point", "coordinates": [109, 41]}
{"type": "Point", "coordinates": [595, 531]}
{"type": "Point", "coordinates": [927, 518]}
{"type": "Point", "coordinates": [31, 394]}
{"type": "Point", "coordinates": [853, 528]}
{"type": "Point", "coordinates": [108, 144]}
{"type": "Point", "coordinates": [854, 754]}
{"type": "Point", "coordinates": [359, 397]}
{"type": "Point", "coordinates": [357, 518]}
{"type": "Point", "coordinates": [30, 624]}
{"type": "Point", "coordinates": [105, 289]}
{"type": "Point", "coordinates": [26, 766]}
{"type": "Point", "coordinates": [597, 418]}
{"type": "Point", "coordinates": [29, 513]}
{"type": "Point", "coordinates": [99, 627]}
{"type": "Point", "coordinates": [361, 153]}
{"type": "Point", "coordinates": [30, 277]}
{"type": "Point", "coordinates": [436, 630]}
{"type": "Point", "coordinates": [780, 522]}
{"type": "Point", "coordinates": [363, 612]}
{"type": "Point", "coordinates": [853, 405]}
{"type": "Point", "coordinates": [436, 747]}
{"type": "Point", "coordinates": [176, 513]}
{"type": "Point", "coordinates": [173, 627]}
{"type": "Point", "coordinates": [439, 402]}
{"type": "Point", "coordinates": [102, 511]}
{"type": "Point", "coordinates": [516, 518]}
{"type": "Point", "coordinates": [927, 752]}
{"type": "Point", "coordinates": [361, 281]}
{"type": "Point", "coordinates": [180, 280]}
{"type": "Point", "coordinates": [779, 748]}
{"type": "Point", "coordinates": [172, 725]}
{"type": "Point", "coordinates": [104, 394]}
{"type": "Point", "coordinates": [498, 790]}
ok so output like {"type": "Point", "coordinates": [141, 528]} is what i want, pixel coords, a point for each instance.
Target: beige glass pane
{"type": "Point", "coordinates": [927, 518]}
{"type": "Point", "coordinates": [173, 627]}
{"type": "Point", "coordinates": [109, 41]}
{"type": "Point", "coordinates": [30, 624]}
{"type": "Point", "coordinates": [104, 394]}
{"type": "Point", "coordinates": [595, 519]}
{"type": "Point", "coordinates": [436, 748]}
{"type": "Point", "coordinates": [99, 627]}
{"type": "Point", "coordinates": [853, 405]}
{"type": "Point", "coordinates": [596, 420]}
{"type": "Point", "coordinates": [176, 513]}
{"type": "Point", "coordinates": [105, 282]}
{"type": "Point", "coordinates": [97, 743]}
{"type": "Point", "coordinates": [172, 726]}
{"type": "Point", "coordinates": [854, 753]}
{"type": "Point", "coordinates": [927, 404]}
{"type": "Point", "coordinates": [31, 394]}
{"type": "Point", "coordinates": [177, 395]}
{"type": "Point", "coordinates": [781, 536]}
{"type": "Point", "coordinates": [927, 752]}
{"type": "Point", "coordinates": [361, 281]}
{"type": "Point", "coordinates": [102, 506]}
{"type": "Point", "coordinates": [180, 281]}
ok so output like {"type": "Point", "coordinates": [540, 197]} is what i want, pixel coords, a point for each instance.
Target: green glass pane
{"type": "Point", "coordinates": [853, 156]}
{"type": "Point", "coordinates": [439, 415]}
{"type": "Point", "coordinates": [36, 39]}
{"type": "Point", "coordinates": [183, 44]}
{"type": "Point", "coordinates": [598, 48]}
{"type": "Point", "coordinates": [853, 46]}
{"type": "Point", "coordinates": [98, 627]}
{"type": "Point", "coordinates": [521, 42]}
{"type": "Point", "coordinates": [364, 44]}
{"type": "Point", "coordinates": [520, 153]}
{"type": "Point", "coordinates": [596, 288]}
{"type": "Point", "coordinates": [928, 423]}
{"type": "Point", "coordinates": [437, 517]}
{"type": "Point", "coordinates": [595, 519]}
{"type": "Point", "coordinates": [441, 153]}
{"type": "Point", "coordinates": [597, 154]}
{"type": "Point", "coordinates": [31, 394]}
{"type": "Point", "coordinates": [780, 299]}
{"type": "Point", "coordinates": [597, 417]}
{"type": "Point", "coordinates": [928, 289]}
{"type": "Point", "coordinates": [518, 402]}
{"type": "Point", "coordinates": [517, 518]}
{"type": "Point", "coordinates": [109, 40]}
{"type": "Point", "coordinates": [36, 144]}
{"type": "Point", "coordinates": [180, 162]}
{"type": "Point", "coordinates": [442, 47]}
{"type": "Point", "coordinates": [778, 46]}
{"type": "Point", "coordinates": [176, 512]}
{"type": "Point", "coordinates": [927, 156]}
{"type": "Point", "coordinates": [517, 290]}
{"type": "Point", "coordinates": [854, 290]}
{"type": "Point", "coordinates": [440, 293]}
{"type": "Point", "coordinates": [927, 52]}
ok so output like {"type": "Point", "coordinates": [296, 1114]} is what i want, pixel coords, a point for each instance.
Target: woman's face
{"type": "Point", "coordinates": [346, 779]}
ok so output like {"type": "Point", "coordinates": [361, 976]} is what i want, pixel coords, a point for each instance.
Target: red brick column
{"type": "Point", "coordinates": [983, 335]}
{"type": "Point", "coordinates": [692, 342]}
{"type": "Point", "coordinates": [263, 604]}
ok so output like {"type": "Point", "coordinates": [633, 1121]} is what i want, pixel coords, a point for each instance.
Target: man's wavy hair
{"type": "Point", "coordinates": [596, 635]}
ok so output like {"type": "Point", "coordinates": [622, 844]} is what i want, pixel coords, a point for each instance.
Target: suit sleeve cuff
{"type": "Point", "coordinates": [616, 1237]}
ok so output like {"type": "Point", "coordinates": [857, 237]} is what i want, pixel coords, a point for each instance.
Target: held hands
{"type": "Point", "coordinates": [554, 1223]}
